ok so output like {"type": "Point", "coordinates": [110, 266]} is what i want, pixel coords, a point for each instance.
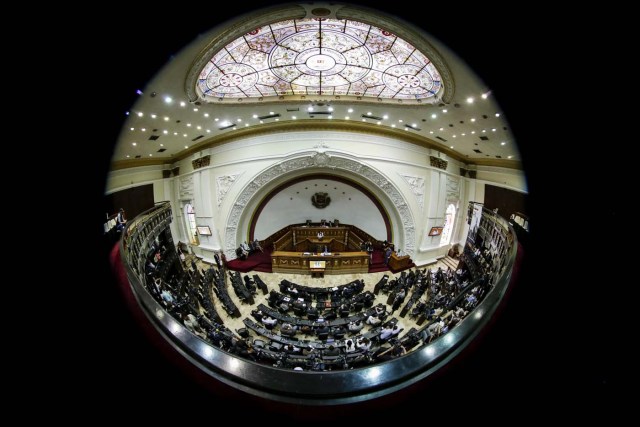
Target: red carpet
{"type": "Point", "coordinates": [258, 261]}
{"type": "Point", "coordinates": [377, 262]}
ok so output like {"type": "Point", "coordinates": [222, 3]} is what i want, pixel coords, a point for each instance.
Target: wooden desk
{"type": "Point", "coordinates": [336, 263]}
{"type": "Point", "coordinates": [399, 262]}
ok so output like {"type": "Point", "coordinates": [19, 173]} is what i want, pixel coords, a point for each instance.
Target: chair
{"type": "Point", "coordinates": [243, 332]}
{"type": "Point", "coordinates": [258, 343]}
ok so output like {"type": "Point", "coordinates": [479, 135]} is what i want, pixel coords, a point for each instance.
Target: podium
{"type": "Point", "coordinates": [317, 268]}
{"type": "Point", "coordinates": [399, 262]}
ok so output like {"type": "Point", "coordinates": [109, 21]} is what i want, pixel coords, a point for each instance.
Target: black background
{"type": "Point", "coordinates": [531, 358]}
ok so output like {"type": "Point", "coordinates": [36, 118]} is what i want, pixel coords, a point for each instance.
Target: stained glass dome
{"type": "Point", "coordinates": [318, 56]}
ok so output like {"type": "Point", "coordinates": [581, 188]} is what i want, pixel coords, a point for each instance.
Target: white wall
{"type": "Point", "coordinates": [293, 205]}
{"type": "Point", "coordinates": [242, 173]}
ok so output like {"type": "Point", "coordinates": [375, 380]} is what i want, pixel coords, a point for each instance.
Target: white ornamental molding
{"type": "Point", "coordinates": [224, 184]}
{"type": "Point", "coordinates": [453, 191]}
{"type": "Point", "coordinates": [186, 187]}
{"type": "Point", "coordinates": [311, 161]}
{"type": "Point", "coordinates": [416, 183]}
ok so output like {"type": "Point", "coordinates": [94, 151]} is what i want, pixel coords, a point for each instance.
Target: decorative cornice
{"type": "Point", "coordinates": [438, 163]}
{"type": "Point", "coordinates": [201, 162]}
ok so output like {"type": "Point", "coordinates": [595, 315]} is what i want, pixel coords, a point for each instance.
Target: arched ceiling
{"type": "Point", "coordinates": [173, 118]}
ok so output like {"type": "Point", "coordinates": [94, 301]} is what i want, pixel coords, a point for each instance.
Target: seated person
{"type": "Point", "coordinates": [355, 327]}
{"type": "Point", "coordinates": [364, 344]}
{"type": "Point", "coordinates": [191, 323]}
{"type": "Point", "coordinates": [331, 351]}
{"type": "Point", "coordinates": [269, 322]}
{"type": "Point", "coordinates": [386, 333]}
{"type": "Point", "coordinates": [380, 309]}
{"type": "Point", "coordinates": [167, 298]}
{"type": "Point", "coordinates": [287, 329]}
{"type": "Point", "coordinates": [395, 330]}
{"type": "Point", "coordinates": [350, 346]}
{"type": "Point", "coordinates": [373, 320]}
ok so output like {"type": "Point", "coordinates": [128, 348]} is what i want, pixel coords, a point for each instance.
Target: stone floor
{"type": "Point", "coordinates": [273, 280]}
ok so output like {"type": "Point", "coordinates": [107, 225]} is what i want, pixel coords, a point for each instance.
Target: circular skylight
{"type": "Point", "coordinates": [317, 56]}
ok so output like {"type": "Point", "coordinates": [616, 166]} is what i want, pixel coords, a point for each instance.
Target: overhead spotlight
{"type": "Point", "coordinates": [139, 92]}
{"type": "Point", "coordinates": [470, 100]}
{"type": "Point", "coordinates": [168, 99]}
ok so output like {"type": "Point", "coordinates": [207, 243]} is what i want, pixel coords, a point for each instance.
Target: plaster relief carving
{"type": "Point", "coordinates": [186, 187]}
{"type": "Point", "coordinates": [224, 184]}
{"type": "Point", "coordinates": [416, 183]}
{"type": "Point", "coordinates": [453, 190]}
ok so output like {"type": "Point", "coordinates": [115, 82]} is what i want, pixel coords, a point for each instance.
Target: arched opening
{"type": "Point", "coordinates": [449, 219]}
{"type": "Point", "coordinates": [190, 217]}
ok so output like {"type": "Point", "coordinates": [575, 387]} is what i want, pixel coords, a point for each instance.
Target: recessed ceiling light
{"type": "Point", "coordinates": [182, 103]}
{"type": "Point", "coordinates": [434, 115]}
{"type": "Point", "coordinates": [451, 146]}
{"type": "Point", "coordinates": [400, 121]}
{"type": "Point", "coordinates": [143, 130]}
{"type": "Point", "coordinates": [484, 130]}
{"type": "Point", "coordinates": [368, 113]}
{"type": "Point", "coordinates": [454, 136]}
{"type": "Point", "coordinates": [385, 117]}
{"type": "Point", "coordinates": [473, 132]}
{"type": "Point", "coordinates": [441, 129]}
{"type": "Point", "coordinates": [470, 100]}
{"type": "Point", "coordinates": [184, 134]}
{"type": "Point", "coordinates": [208, 131]}
{"type": "Point", "coordinates": [206, 114]}
{"type": "Point", "coordinates": [261, 122]}
{"type": "Point", "coordinates": [134, 143]}
{"type": "Point", "coordinates": [166, 119]}
{"type": "Point", "coordinates": [473, 119]}
{"type": "Point", "coordinates": [153, 116]}
{"type": "Point", "coordinates": [140, 114]}
{"type": "Point", "coordinates": [150, 155]}
{"type": "Point", "coordinates": [186, 146]}
{"type": "Point", "coordinates": [350, 110]}
{"type": "Point", "coordinates": [161, 145]}
{"type": "Point", "coordinates": [198, 127]}
{"type": "Point", "coordinates": [330, 109]}
{"type": "Point", "coordinates": [346, 117]}
{"type": "Point", "coordinates": [188, 125]}
{"type": "Point", "coordinates": [246, 124]}
{"type": "Point", "coordinates": [414, 125]}
{"type": "Point", "coordinates": [378, 123]}
{"type": "Point", "coordinates": [216, 119]}
{"type": "Point", "coordinates": [463, 134]}
{"type": "Point", "coordinates": [393, 125]}
{"type": "Point", "coordinates": [168, 99]}
{"type": "Point", "coordinates": [331, 117]}
{"type": "Point", "coordinates": [255, 116]}
{"type": "Point", "coordinates": [165, 132]}
{"type": "Point", "coordinates": [503, 143]}
{"type": "Point", "coordinates": [175, 133]}
{"type": "Point", "coordinates": [277, 120]}
{"type": "Point", "coordinates": [485, 95]}
{"type": "Point", "coordinates": [445, 110]}
{"type": "Point", "coordinates": [128, 156]}
{"type": "Point", "coordinates": [493, 130]}
{"type": "Point", "coordinates": [364, 120]}
{"type": "Point", "coordinates": [431, 132]}
{"type": "Point", "coordinates": [310, 109]}
{"type": "Point", "coordinates": [293, 117]}
{"type": "Point", "coordinates": [239, 120]}
{"type": "Point", "coordinates": [508, 157]}
{"type": "Point", "coordinates": [271, 112]}
{"type": "Point", "coordinates": [497, 114]}
{"type": "Point", "coordinates": [132, 128]}
{"type": "Point", "coordinates": [195, 110]}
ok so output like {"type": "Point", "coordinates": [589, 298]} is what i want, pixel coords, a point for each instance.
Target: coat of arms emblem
{"type": "Point", "coordinates": [320, 200]}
